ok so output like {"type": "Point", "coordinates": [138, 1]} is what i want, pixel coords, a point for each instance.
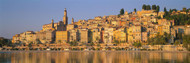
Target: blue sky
{"type": "Point", "coordinates": [17, 16]}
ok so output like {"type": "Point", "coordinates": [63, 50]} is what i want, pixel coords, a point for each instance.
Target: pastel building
{"type": "Point", "coordinates": [134, 34]}
{"type": "Point", "coordinates": [96, 35]}
{"type": "Point", "coordinates": [108, 35]}
{"type": "Point", "coordinates": [120, 36]}
{"type": "Point", "coordinates": [83, 35]}
{"type": "Point", "coordinates": [62, 36]}
{"type": "Point", "coordinates": [73, 35]}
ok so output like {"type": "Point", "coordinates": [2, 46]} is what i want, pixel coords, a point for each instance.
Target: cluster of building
{"type": "Point", "coordinates": [127, 28]}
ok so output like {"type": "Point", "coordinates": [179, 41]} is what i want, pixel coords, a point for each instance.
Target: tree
{"type": "Point", "coordinates": [186, 41]}
{"type": "Point", "coordinates": [148, 7]}
{"type": "Point", "coordinates": [180, 19]}
{"type": "Point", "coordinates": [116, 41]}
{"type": "Point", "coordinates": [158, 40]}
{"type": "Point", "coordinates": [177, 42]}
{"type": "Point", "coordinates": [153, 7]}
{"type": "Point", "coordinates": [97, 39]}
{"type": "Point", "coordinates": [165, 10]}
{"type": "Point", "coordinates": [30, 44]}
{"type": "Point", "coordinates": [59, 41]}
{"type": "Point", "coordinates": [5, 42]}
{"type": "Point", "coordinates": [166, 14]}
{"type": "Point", "coordinates": [89, 36]}
{"type": "Point", "coordinates": [38, 41]}
{"type": "Point", "coordinates": [157, 8]}
{"type": "Point", "coordinates": [184, 9]}
{"type": "Point", "coordinates": [73, 43]}
{"type": "Point", "coordinates": [174, 10]}
{"type": "Point", "coordinates": [122, 11]}
{"type": "Point", "coordinates": [137, 44]}
{"type": "Point", "coordinates": [144, 7]}
{"type": "Point", "coordinates": [135, 10]}
{"type": "Point", "coordinates": [92, 44]}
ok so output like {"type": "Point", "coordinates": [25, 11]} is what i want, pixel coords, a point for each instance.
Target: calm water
{"type": "Point", "coordinates": [94, 57]}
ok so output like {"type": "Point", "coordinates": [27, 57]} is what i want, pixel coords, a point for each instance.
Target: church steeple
{"type": "Point", "coordinates": [65, 18]}
{"type": "Point", "coordinates": [72, 21]}
{"type": "Point", "coordinates": [52, 23]}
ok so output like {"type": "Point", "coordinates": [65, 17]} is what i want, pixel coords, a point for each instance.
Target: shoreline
{"type": "Point", "coordinates": [6, 51]}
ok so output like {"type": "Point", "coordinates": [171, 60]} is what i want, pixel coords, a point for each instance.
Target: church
{"type": "Point", "coordinates": [60, 26]}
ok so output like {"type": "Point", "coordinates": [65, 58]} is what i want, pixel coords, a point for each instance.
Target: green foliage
{"type": "Point", "coordinates": [146, 7]}
{"type": "Point", "coordinates": [90, 36]}
{"type": "Point", "coordinates": [177, 42]}
{"type": "Point", "coordinates": [135, 10]}
{"type": "Point", "coordinates": [121, 11]}
{"type": "Point", "coordinates": [158, 17]}
{"type": "Point", "coordinates": [184, 9]}
{"type": "Point", "coordinates": [186, 41]}
{"type": "Point", "coordinates": [158, 40]}
{"type": "Point", "coordinates": [153, 7]}
{"type": "Point", "coordinates": [116, 41]}
{"type": "Point", "coordinates": [165, 10]}
{"type": "Point", "coordinates": [5, 42]}
{"type": "Point", "coordinates": [180, 19]}
{"type": "Point", "coordinates": [38, 41]}
{"type": "Point", "coordinates": [30, 44]}
{"type": "Point", "coordinates": [157, 9]}
{"type": "Point", "coordinates": [98, 45]}
{"type": "Point", "coordinates": [92, 44]}
{"type": "Point", "coordinates": [137, 44]}
{"type": "Point", "coordinates": [73, 43]}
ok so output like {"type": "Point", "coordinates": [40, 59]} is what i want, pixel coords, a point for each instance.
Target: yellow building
{"type": "Point", "coordinates": [146, 13]}
{"type": "Point", "coordinates": [187, 30]}
{"type": "Point", "coordinates": [108, 35]}
{"type": "Point", "coordinates": [96, 35]}
{"type": "Point", "coordinates": [163, 29]}
{"type": "Point", "coordinates": [16, 38]}
{"type": "Point", "coordinates": [70, 27]}
{"type": "Point", "coordinates": [134, 34]}
{"type": "Point", "coordinates": [62, 36]}
{"type": "Point", "coordinates": [83, 35]}
{"type": "Point", "coordinates": [120, 36]}
{"type": "Point", "coordinates": [73, 35]}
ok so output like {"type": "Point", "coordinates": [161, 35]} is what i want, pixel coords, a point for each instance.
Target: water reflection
{"type": "Point", "coordinates": [94, 57]}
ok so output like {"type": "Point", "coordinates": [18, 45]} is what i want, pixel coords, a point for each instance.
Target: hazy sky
{"type": "Point", "coordinates": [17, 16]}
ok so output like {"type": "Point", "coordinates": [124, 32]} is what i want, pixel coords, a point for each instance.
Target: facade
{"type": "Point", "coordinates": [73, 35]}
{"type": "Point", "coordinates": [144, 36]}
{"type": "Point", "coordinates": [83, 35]}
{"type": "Point", "coordinates": [134, 34]}
{"type": "Point", "coordinates": [16, 38]}
{"type": "Point", "coordinates": [96, 37]}
{"type": "Point", "coordinates": [130, 27]}
{"type": "Point", "coordinates": [108, 35]}
{"type": "Point", "coordinates": [62, 36]}
{"type": "Point", "coordinates": [45, 36]}
{"type": "Point", "coordinates": [187, 30]}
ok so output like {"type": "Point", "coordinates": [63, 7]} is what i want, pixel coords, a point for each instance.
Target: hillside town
{"type": "Point", "coordinates": [126, 30]}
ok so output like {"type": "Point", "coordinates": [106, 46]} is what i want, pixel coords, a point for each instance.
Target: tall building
{"type": "Point", "coordinates": [73, 35]}
{"type": "Point", "coordinates": [83, 35]}
{"type": "Point", "coordinates": [72, 21]}
{"type": "Point", "coordinates": [65, 18]}
{"type": "Point", "coordinates": [52, 23]}
{"type": "Point", "coordinates": [62, 36]}
{"type": "Point", "coordinates": [134, 34]}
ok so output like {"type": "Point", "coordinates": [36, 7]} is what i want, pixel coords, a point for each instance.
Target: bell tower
{"type": "Point", "coordinates": [52, 23]}
{"type": "Point", "coordinates": [65, 18]}
{"type": "Point", "coordinates": [72, 21]}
